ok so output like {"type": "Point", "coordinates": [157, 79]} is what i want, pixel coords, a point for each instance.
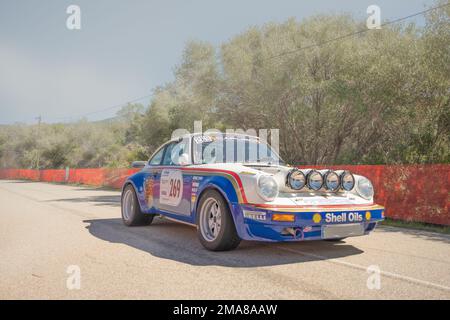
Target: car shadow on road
{"type": "Point", "coordinates": [103, 200]}
{"type": "Point", "coordinates": [178, 242]}
{"type": "Point", "coordinates": [419, 234]}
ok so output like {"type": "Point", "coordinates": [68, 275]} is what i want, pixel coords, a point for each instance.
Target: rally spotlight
{"type": "Point", "coordinates": [332, 181]}
{"type": "Point", "coordinates": [347, 181]}
{"type": "Point", "coordinates": [314, 180]}
{"type": "Point", "coordinates": [296, 179]}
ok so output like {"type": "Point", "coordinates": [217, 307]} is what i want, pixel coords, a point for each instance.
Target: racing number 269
{"type": "Point", "coordinates": [175, 187]}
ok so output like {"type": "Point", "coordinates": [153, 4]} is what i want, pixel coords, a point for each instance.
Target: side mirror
{"type": "Point", "coordinates": [138, 164]}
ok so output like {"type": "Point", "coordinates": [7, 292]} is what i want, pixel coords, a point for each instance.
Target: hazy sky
{"type": "Point", "coordinates": [125, 48]}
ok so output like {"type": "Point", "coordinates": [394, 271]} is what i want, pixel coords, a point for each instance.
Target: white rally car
{"type": "Point", "coordinates": [234, 187]}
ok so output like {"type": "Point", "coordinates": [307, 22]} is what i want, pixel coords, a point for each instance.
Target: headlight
{"type": "Point", "coordinates": [314, 180]}
{"type": "Point", "coordinates": [267, 188]}
{"type": "Point", "coordinates": [296, 179]}
{"type": "Point", "coordinates": [365, 188]}
{"type": "Point", "coordinates": [332, 181]}
{"type": "Point", "coordinates": [347, 181]}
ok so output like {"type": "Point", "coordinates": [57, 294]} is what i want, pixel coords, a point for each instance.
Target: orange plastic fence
{"type": "Point", "coordinates": [113, 178]}
{"type": "Point", "coordinates": [53, 175]}
{"type": "Point", "coordinates": [409, 192]}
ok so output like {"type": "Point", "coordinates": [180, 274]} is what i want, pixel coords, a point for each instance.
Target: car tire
{"type": "Point", "coordinates": [131, 211]}
{"type": "Point", "coordinates": [215, 225]}
{"type": "Point", "coordinates": [335, 240]}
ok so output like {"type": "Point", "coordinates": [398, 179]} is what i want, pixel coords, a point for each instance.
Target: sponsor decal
{"type": "Point", "coordinates": [171, 190]}
{"type": "Point", "coordinates": [202, 139]}
{"type": "Point", "coordinates": [254, 215]}
{"type": "Point", "coordinates": [195, 184]}
{"type": "Point", "coordinates": [148, 187]}
{"type": "Point", "coordinates": [343, 217]}
{"type": "Point", "coordinates": [317, 218]}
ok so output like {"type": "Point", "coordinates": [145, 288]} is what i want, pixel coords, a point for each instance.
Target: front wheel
{"type": "Point", "coordinates": [215, 225]}
{"type": "Point", "coordinates": [335, 239]}
{"type": "Point", "coordinates": [131, 211]}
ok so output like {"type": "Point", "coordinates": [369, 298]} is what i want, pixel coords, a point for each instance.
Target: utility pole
{"type": "Point", "coordinates": [39, 119]}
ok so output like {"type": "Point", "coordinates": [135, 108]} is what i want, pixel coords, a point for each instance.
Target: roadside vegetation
{"type": "Point", "coordinates": [379, 97]}
{"type": "Point", "coordinates": [416, 226]}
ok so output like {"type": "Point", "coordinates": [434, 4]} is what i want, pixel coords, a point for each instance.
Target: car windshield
{"type": "Point", "coordinates": [223, 148]}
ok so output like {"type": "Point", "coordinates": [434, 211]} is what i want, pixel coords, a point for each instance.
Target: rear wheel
{"type": "Point", "coordinates": [131, 211]}
{"type": "Point", "coordinates": [215, 225]}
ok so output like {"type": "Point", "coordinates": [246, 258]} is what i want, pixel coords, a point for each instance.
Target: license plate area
{"type": "Point", "coordinates": [342, 230]}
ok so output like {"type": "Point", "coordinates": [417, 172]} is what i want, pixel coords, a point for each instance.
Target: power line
{"type": "Point", "coordinates": [106, 109]}
{"type": "Point", "coordinates": [39, 119]}
{"type": "Point", "coordinates": [272, 57]}
{"type": "Point", "coordinates": [306, 47]}
{"type": "Point", "coordinates": [353, 33]}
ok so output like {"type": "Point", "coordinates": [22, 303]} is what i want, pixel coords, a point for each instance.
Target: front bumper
{"type": "Point", "coordinates": [256, 223]}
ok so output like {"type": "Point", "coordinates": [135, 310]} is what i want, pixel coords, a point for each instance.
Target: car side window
{"type": "Point", "coordinates": [156, 159]}
{"type": "Point", "coordinates": [176, 154]}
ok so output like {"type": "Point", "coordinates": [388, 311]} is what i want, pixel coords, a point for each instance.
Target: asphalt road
{"type": "Point", "coordinates": [46, 228]}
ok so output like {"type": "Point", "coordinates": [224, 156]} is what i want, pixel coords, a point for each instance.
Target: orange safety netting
{"type": "Point", "coordinates": [409, 192]}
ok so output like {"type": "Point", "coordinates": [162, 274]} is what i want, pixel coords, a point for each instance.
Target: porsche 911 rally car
{"type": "Point", "coordinates": [234, 187]}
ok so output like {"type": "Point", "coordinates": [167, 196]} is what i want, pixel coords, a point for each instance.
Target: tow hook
{"type": "Point", "coordinates": [295, 232]}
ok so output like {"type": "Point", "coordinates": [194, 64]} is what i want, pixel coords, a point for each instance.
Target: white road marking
{"type": "Point", "coordinates": [360, 267]}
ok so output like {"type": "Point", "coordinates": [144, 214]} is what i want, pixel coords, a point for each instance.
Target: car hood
{"type": "Point", "coordinates": [249, 174]}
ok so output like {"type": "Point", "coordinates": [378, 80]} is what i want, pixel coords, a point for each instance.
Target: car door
{"type": "Point", "coordinates": [151, 183]}
{"type": "Point", "coordinates": [174, 185]}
